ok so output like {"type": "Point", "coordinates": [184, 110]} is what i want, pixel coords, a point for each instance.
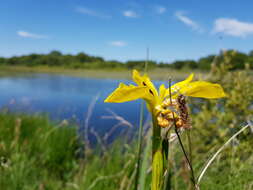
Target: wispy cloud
{"type": "Point", "coordinates": [160, 9]}
{"type": "Point", "coordinates": [91, 12]}
{"type": "Point", "coordinates": [26, 34]}
{"type": "Point", "coordinates": [130, 14]}
{"type": "Point", "coordinates": [118, 43]}
{"type": "Point", "coordinates": [187, 21]}
{"type": "Point", "coordinates": [233, 27]}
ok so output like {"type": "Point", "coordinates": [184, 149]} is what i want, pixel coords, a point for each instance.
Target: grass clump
{"type": "Point", "coordinates": [31, 148]}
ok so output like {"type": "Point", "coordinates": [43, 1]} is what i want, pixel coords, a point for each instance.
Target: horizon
{"type": "Point", "coordinates": [125, 61]}
{"type": "Point", "coordinates": [123, 30]}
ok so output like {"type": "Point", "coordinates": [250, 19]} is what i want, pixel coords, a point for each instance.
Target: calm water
{"type": "Point", "coordinates": [64, 97]}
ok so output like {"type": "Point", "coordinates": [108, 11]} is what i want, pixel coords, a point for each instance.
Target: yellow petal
{"type": "Point", "coordinates": [162, 91]}
{"type": "Point", "coordinates": [176, 87]}
{"type": "Point", "coordinates": [144, 81]}
{"type": "Point", "coordinates": [183, 83]}
{"type": "Point", "coordinates": [203, 89]}
{"type": "Point", "coordinates": [126, 93]}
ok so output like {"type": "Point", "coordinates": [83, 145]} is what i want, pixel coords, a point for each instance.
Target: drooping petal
{"type": "Point", "coordinates": [176, 87]}
{"type": "Point", "coordinates": [126, 93]}
{"type": "Point", "coordinates": [144, 81]}
{"type": "Point", "coordinates": [203, 89]}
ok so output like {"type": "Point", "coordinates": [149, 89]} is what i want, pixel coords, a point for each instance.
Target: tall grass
{"type": "Point", "coordinates": [38, 154]}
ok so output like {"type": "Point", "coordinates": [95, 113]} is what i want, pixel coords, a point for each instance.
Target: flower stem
{"type": "Point", "coordinates": [187, 159]}
{"type": "Point", "coordinates": [139, 146]}
{"type": "Point", "coordinates": [181, 144]}
{"type": "Point", "coordinates": [157, 157]}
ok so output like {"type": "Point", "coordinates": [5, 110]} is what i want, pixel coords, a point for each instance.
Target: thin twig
{"type": "Point", "coordinates": [87, 119]}
{"type": "Point", "coordinates": [121, 122]}
{"type": "Point", "coordinates": [99, 140]}
{"type": "Point", "coordinates": [188, 133]}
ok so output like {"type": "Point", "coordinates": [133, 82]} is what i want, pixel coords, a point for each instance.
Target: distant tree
{"type": "Point", "coordinates": [179, 64]}
{"type": "Point", "coordinates": [237, 60]}
{"type": "Point", "coordinates": [55, 53]}
{"type": "Point", "coordinates": [13, 60]}
{"type": "Point", "coordinates": [140, 64]}
{"type": "Point", "coordinates": [114, 64]}
{"type": "Point", "coordinates": [250, 60]}
{"type": "Point", "coordinates": [165, 65]}
{"type": "Point", "coordinates": [82, 57]}
{"type": "Point", "coordinates": [2, 60]}
{"type": "Point", "coordinates": [205, 62]}
{"type": "Point", "coordinates": [250, 53]}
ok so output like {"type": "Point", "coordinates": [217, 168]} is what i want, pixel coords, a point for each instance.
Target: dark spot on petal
{"type": "Point", "coordinates": [144, 83]}
{"type": "Point", "coordinates": [151, 92]}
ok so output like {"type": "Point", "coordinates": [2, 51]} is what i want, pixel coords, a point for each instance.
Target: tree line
{"type": "Point", "coordinates": [237, 60]}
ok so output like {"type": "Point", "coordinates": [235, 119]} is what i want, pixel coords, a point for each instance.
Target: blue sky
{"type": "Point", "coordinates": [122, 30]}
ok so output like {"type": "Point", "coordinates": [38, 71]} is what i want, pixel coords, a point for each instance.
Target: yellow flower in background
{"type": "Point", "coordinates": [146, 90]}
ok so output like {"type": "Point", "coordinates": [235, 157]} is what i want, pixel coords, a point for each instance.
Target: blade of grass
{"type": "Point", "coordinates": [140, 131]}
{"type": "Point", "coordinates": [167, 180]}
{"type": "Point", "coordinates": [145, 162]}
{"type": "Point", "coordinates": [203, 171]}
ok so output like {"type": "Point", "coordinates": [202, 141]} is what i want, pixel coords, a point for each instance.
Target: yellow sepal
{"type": "Point", "coordinates": [125, 93]}
{"type": "Point", "coordinates": [203, 89]}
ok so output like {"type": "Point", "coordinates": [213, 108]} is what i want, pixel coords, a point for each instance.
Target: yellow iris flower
{"type": "Point", "coordinates": [146, 90]}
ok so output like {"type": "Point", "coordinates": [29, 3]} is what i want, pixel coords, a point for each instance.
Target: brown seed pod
{"type": "Point", "coordinates": [184, 117]}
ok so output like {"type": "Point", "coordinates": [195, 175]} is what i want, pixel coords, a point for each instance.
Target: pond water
{"type": "Point", "coordinates": [64, 97]}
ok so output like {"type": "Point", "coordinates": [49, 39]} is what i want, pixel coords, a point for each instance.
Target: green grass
{"type": "Point", "coordinates": [37, 153]}
{"type": "Point", "coordinates": [155, 74]}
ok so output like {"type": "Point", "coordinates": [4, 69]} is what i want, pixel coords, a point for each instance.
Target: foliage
{"type": "Point", "coordinates": [85, 61]}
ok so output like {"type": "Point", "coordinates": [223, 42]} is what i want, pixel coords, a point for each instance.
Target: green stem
{"type": "Point", "coordinates": [188, 133]}
{"type": "Point", "coordinates": [139, 145]}
{"type": "Point", "coordinates": [156, 138]}
{"type": "Point", "coordinates": [185, 154]}
{"type": "Point", "coordinates": [157, 157]}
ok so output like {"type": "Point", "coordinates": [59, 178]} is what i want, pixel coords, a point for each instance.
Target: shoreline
{"type": "Point", "coordinates": [162, 74]}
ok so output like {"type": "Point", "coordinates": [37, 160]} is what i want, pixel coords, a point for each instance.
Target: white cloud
{"type": "Point", "coordinates": [90, 12]}
{"type": "Point", "coordinates": [160, 9]}
{"type": "Point", "coordinates": [232, 27]}
{"type": "Point", "coordinates": [26, 34]}
{"type": "Point", "coordinates": [130, 14]}
{"type": "Point", "coordinates": [118, 43]}
{"type": "Point", "coordinates": [187, 21]}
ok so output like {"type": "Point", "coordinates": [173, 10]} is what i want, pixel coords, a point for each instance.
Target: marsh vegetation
{"type": "Point", "coordinates": [38, 153]}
